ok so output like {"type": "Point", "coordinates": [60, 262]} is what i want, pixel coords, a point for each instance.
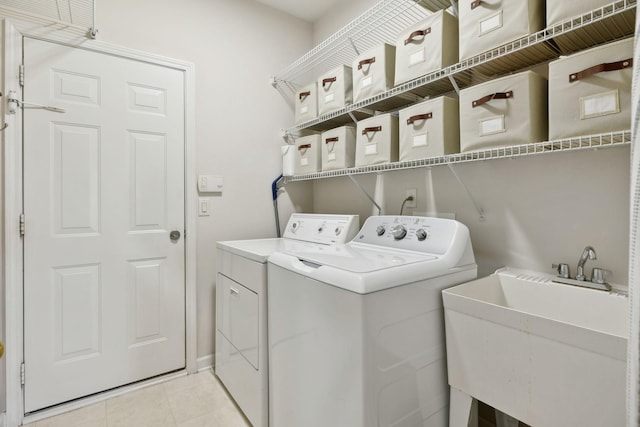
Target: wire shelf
{"type": "Point", "coordinates": [380, 24]}
{"type": "Point", "coordinates": [608, 23]}
{"type": "Point", "coordinates": [604, 140]}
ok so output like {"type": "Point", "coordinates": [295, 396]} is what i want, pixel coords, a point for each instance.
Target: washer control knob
{"type": "Point", "coordinates": [320, 229]}
{"type": "Point", "coordinates": [338, 231]}
{"type": "Point", "coordinates": [421, 234]}
{"type": "Point", "coordinates": [380, 230]}
{"type": "Point", "coordinates": [294, 227]}
{"type": "Point", "coordinates": [398, 231]}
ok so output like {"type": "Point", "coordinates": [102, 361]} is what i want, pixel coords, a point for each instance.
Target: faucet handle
{"type": "Point", "coordinates": [561, 269]}
{"type": "Point", "coordinates": [598, 275]}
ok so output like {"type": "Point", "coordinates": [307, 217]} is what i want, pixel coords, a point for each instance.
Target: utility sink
{"type": "Point", "coordinates": [545, 353]}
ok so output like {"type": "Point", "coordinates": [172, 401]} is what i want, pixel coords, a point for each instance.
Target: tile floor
{"type": "Point", "coordinates": [197, 400]}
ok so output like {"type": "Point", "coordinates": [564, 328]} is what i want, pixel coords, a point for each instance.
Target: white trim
{"type": "Point", "coordinates": [3, 419]}
{"type": "Point", "coordinates": [12, 202]}
{"type": "Point", "coordinates": [205, 363]}
{"type": "Point", "coordinates": [13, 199]}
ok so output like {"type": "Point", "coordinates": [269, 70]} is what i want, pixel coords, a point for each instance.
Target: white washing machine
{"type": "Point", "coordinates": [241, 304]}
{"type": "Point", "coordinates": [356, 332]}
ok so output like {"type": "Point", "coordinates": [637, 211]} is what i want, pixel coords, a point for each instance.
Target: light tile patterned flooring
{"type": "Point", "coordinates": [197, 400]}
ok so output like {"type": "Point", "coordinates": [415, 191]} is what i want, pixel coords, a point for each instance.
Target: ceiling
{"type": "Point", "coordinates": [309, 10]}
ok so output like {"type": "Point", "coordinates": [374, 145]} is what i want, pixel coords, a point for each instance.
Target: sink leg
{"type": "Point", "coordinates": [504, 420]}
{"type": "Point", "coordinates": [463, 409]}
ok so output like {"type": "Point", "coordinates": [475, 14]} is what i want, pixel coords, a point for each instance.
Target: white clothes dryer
{"type": "Point", "coordinates": [241, 304]}
{"type": "Point", "coordinates": [356, 332]}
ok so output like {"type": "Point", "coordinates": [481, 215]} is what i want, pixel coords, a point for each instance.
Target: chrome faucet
{"type": "Point", "coordinates": [597, 276]}
{"type": "Point", "coordinates": [588, 253]}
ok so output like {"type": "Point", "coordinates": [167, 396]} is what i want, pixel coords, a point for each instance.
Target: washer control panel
{"type": "Point", "coordinates": [423, 234]}
{"type": "Point", "coordinates": [322, 228]}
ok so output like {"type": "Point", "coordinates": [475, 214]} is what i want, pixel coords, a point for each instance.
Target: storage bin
{"type": "Point", "coordinates": [377, 140]}
{"type": "Point", "coordinates": [373, 72]}
{"type": "Point", "coordinates": [590, 91]}
{"type": "Point", "coordinates": [507, 111]}
{"type": "Point", "coordinates": [428, 46]}
{"type": "Point", "coordinates": [335, 89]}
{"type": "Point", "coordinates": [338, 148]}
{"type": "Point", "coordinates": [486, 24]}
{"type": "Point", "coordinates": [306, 102]}
{"type": "Point", "coordinates": [430, 128]}
{"type": "Point", "coordinates": [559, 10]}
{"type": "Point", "coordinates": [308, 157]}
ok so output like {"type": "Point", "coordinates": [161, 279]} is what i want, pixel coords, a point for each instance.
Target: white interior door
{"type": "Point", "coordinates": [104, 284]}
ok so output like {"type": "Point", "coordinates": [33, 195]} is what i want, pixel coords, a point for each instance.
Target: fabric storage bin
{"type": "Point", "coordinates": [559, 10]}
{"type": "Point", "coordinates": [373, 72]}
{"type": "Point", "coordinates": [507, 111]}
{"type": "Point", "coordinates": [377, 140]}
{"type": "Point", "coordinates": [306, 102]}
{"type": "Point", "coordinates": [429, 129]}
{"type": "Point", "coordinates": [428, 46]}
{"type": "Point", "coordinates": [338, 148]}
{"type": "Point", "coordinates": [486, 24]}
{"type": "Point", "coordinates": [590, 91]}
{"type": "Point", "coordinates": [335, 89]}
{"type": "Point", "coordinates": [308, 157]}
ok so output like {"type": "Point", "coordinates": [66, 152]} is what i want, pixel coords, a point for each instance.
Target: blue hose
{"type": "Point", "coordinates": [274, 194]}
{"type": "Point", "coordinates": [274, 187]}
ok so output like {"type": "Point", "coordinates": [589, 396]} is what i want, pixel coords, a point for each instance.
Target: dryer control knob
{"type": "Point", "coordinates": [399, 231]}
{"type": "Point", "coordinates": [338, 231]}
{"type": "Point", "coordinates": [380, 230]}
{"type": "Point", "coordinates": [421, 234]}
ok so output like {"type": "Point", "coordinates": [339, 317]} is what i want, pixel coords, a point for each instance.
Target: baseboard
{"type": "Point", "coordinates": [205, 362]}
{"type": "Point", "coordinates": [3, 419]}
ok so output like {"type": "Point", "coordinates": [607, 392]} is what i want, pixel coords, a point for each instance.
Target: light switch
{"type": "Point", "coordinates": [210, 183]}
{"type": "Point", "coordinates": [203, 209]}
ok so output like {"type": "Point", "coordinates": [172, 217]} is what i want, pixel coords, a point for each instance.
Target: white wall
{"type": "Point", "coordinates": [539, 210]}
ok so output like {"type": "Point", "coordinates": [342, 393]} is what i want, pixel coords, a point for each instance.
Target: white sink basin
{"type": "Point", "coordinates": [547, 354]}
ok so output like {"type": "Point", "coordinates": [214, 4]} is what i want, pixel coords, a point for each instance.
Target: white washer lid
{"type": "Point", "coordinates": [366, 274]}
{"type": "Point", "coordinates": [357, 258]}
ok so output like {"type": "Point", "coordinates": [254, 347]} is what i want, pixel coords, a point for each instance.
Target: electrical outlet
{"type": "Point", "coordinates": [413, 193]}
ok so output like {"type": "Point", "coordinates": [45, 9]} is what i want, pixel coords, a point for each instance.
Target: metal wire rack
{"type": "Point", "coordinates": [604, 140]}
{"type": "Point", "coordinates": [608, 23]}
{"type": "Point", "coordinates": [380, 24]}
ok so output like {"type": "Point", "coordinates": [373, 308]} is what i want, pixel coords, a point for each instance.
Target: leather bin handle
{"type": "Point", "coordinates": [417, 117]}
{"type": "Point", "coordinates": [497, 95]}
{"type": "Point", "coordinates": [417, 33]}
{"type": "Point", "coordinates": [328, 80]}
{"type": "Point", "coordinates": [367, 61]}
{"type": "Point", "coordinates": [303, 95]}
{"type": "Point", "coordinates": [329, 140]}
{"type": "Point", "coordinates": [303, 147]}
{"type": "Point", "coordinates": [371, 129]}
{"type": "Point", "coordinates": [607, 66]}
{"type": "Point", "coordinates": [476, 3]}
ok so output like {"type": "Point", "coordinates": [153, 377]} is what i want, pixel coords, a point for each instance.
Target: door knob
{"type": "Point", "coordinates": [174, 235]}
{"type": "Point", "coordinates": [1, 349]}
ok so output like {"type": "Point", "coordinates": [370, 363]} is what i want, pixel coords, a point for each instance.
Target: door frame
{"type": "Point", "coordinates": [14, 29]}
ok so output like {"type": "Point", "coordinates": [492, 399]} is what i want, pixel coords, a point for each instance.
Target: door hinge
{"type": "Point", "coordinates": [22, 224]}
{"type": "Point", "coordinates": [21, 75]}
{"type": "Point", "coordinates": [22, 373]}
